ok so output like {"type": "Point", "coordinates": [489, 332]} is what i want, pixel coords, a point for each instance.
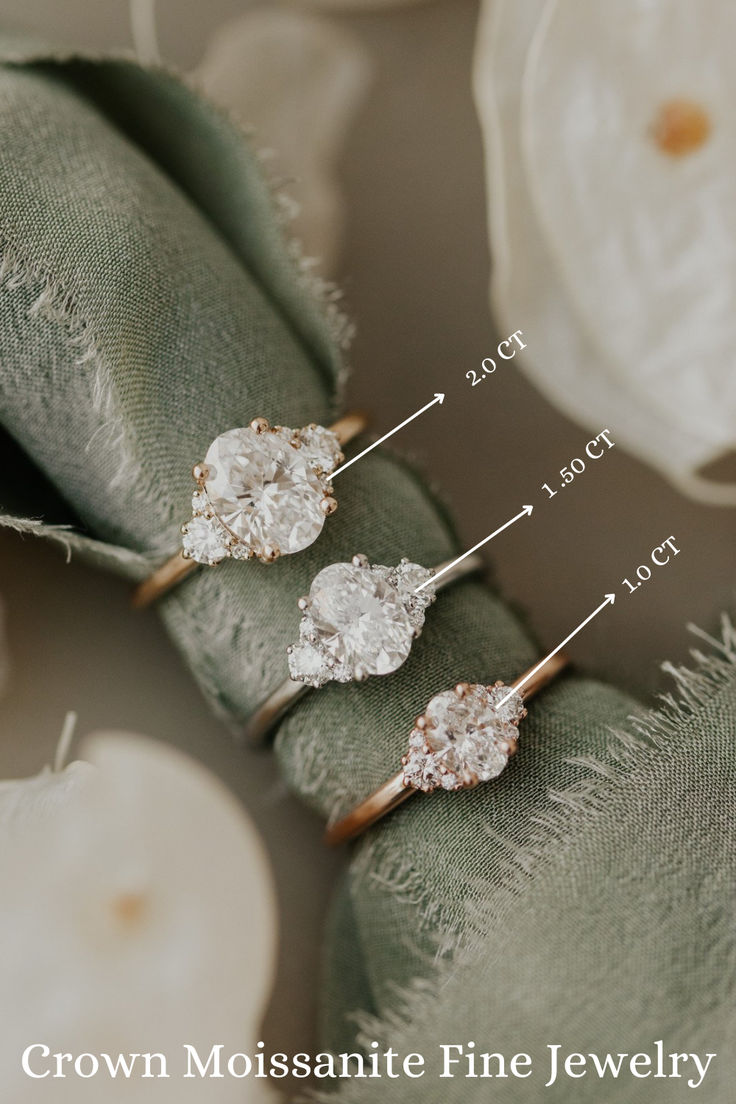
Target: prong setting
{"type": "Point", "coordinates": [465, 736]}
{"type": "Point", "coordinates": [294, 463]}
{"type": "Point", "coordinates": [361, 620]}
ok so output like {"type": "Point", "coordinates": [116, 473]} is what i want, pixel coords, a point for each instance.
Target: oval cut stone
{"type": "Point", "coordinates": [360, 618]}
{"type": "Point", "coordinates": [466, 733]}
{"type": "Point", "coordinates": [264, 490]}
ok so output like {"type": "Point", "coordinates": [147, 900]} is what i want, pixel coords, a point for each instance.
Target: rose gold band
{"type": "Point", "coordinates": [163, 579]}
{"type": "Point", "coordinates": [349, 426]}
{"type": "Point", "coordinates": [394, 792]}
{"type": "Point", "coordinates": [174, 570]}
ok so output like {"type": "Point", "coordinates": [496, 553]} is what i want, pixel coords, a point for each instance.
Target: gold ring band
{"type": "Point", "coordinates": [394, 792]}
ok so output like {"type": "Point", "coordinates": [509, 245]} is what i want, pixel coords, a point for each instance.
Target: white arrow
{"type": "Point", "coordinates": [608, 601]}
{"type": "Point", "coordinates": [438, 398]}
{"type": "Point", "coordinates": [525, 512]}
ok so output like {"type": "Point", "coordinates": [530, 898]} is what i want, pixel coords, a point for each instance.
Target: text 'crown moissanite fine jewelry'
{"type": "Point", "coordinates": [262, 492]}
{"type": "Point", "coordinates": [465, 736]}
{"type": "Point", "coordinates": [359, 619]}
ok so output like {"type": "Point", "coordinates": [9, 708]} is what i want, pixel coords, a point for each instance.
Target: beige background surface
{"type": "Point", "coordinates": [415, 272]}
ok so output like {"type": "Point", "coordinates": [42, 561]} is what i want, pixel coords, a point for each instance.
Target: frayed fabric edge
{"type": "Point", "coordinates": [652, 731]}
{"type": "Point", "coordinates": [326, 295]}
{"type": "Point", "coordinates": [132, 565]}
{"type": "Point", "coordinates": [57, 305]}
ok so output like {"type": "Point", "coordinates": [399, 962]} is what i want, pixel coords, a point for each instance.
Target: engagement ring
{"type": "Point", "coordinates": [359, 619]}
{"type": "Point", "coordinates": [464, 736]}
{"type": "Point", "coordinates": [262, 492]}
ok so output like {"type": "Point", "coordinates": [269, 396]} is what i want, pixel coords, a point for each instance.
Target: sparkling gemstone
{"type": "Point", "coordinates": [408, 577]}
{"type": "Point", "coordinates": [467, 733]}
{"type": "Point", "coordinates": [240, 551]}
{"type": "Point", "coordinates": [306, 664]}
{"type": "Point", "coordinates": [321, 446]}
{"type": "Point", "coordinates": [203, 540]}
{"type": "Point", "coordinates": [422, 772]}
{"type": "Point", "coordinates": [199, 502]}
{"type": "Point", "coordinates": [264, 490]}
{"type": "Point", "coordinates": [512, 711]}
{"type": "Point", "coordinates": [358, 617]}
{"type": "Point", "coordinates": [288, 436]}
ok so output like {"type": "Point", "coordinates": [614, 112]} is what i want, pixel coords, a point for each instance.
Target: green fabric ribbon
{"type": "Point", "coordinates": [147, 303]}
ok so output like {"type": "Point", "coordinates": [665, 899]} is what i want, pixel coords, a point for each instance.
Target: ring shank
{"type": "Point", "coordinates": [382, 801]}
{"type": "Point", "coordinates": [163, 578]}
{"type": "Point", "coordinates": [349, 426]}
{"type": "Point", "coordinates": [276, 706]}
{"type": "Point", "coordinates": [176, 569]}
{"type": "Point", "coordinates": [394, 792]}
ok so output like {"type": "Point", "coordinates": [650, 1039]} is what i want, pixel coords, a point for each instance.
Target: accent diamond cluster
{"type": "Point", "coordinates": [465, 736]}
{"type": "Point", "coordinates": [360, 619]}
{"type": "Point", "coordinates": [263, 492]}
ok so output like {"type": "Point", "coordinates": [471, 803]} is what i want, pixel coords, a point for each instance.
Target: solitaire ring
{"type": "Point", "coordinates": [465, 736]}
{"type": "Point", "coordinates": [262, 492]}
{"type": "Point", "coordinates": [359, 619]}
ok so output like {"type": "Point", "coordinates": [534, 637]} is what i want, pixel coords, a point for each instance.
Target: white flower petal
{"type": "Point", "coordinates": [138, 915]}
{"type": "Point", "coordinates": [298, 79]}
{"type": "Point", "coordinates": [29, 802]}
{"type": "Point", "coordinates": [644, 241]}
{"type": "Point", "coordinates": [570, 356]}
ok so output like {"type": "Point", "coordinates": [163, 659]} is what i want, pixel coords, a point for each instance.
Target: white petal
{"type": "Point", "coordinates": [138, 915]}
{"type": "Point", "coordinates": [568, 357]}
{"type": "Point", "coordinates": [644, 241]}
{"type": "Point", "coordinates": [298, 79]}
{"type": "Point", "coordinates": [526, 287]}
{"type": "Point", "coordinates": [29, 802]}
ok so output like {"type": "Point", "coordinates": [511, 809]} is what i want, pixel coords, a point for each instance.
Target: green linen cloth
{"type": "Point", "coordinates": [147, 303]}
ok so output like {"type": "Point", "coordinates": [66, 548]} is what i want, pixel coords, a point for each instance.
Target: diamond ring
{"type": "Point", "coordinates": [359, 619]}
{"type": "Point", "coordinates": [262, 492]}
{"type": "Point", "coordinates": [465, 736]}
